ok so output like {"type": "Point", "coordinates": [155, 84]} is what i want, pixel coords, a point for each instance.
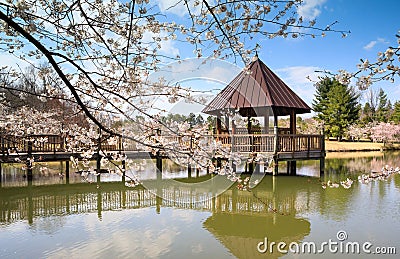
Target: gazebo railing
{"type": "Point", "coordinates": [267, 143]}
{"type": "Point", "coordinates": [299, 143]}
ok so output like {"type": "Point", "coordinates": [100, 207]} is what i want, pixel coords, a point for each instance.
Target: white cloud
{"type": "Point", "coordinates": [301, 80]}
{"type": "Point", "coordinates": [167, 46]}
{"type": "Point", "coordinates": [213, 70]}
{"type": "Point", "coordinates": [372, 43]}
{"type": "Point", "coordinates": [310, 9]}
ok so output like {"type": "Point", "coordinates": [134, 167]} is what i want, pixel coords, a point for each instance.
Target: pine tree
{"type": "Point", "coordinates": [395, 117]}
{"type": "Point", "coordinates": [321, 96]}
{"type": "Point", "coordinates": [367, 114]}
{"type": "Point", "coordinates": [339, 109]}
{"type": "Point", "coordinates": [382, 110]}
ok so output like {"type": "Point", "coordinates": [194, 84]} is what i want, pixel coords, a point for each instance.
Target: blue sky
{"type": "Point", "coordinates": [373, 25]}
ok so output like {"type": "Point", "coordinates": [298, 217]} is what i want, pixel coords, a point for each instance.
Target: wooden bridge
{"type": "Point", "coordinates": [280, 146]}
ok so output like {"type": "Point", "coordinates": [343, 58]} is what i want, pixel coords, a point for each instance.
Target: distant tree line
{"type": "Point", "coordinates": [32, 90]}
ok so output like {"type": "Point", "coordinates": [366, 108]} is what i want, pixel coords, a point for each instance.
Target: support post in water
{"type": "Point", "coordinates": [322, 166]}
{"type": "Point", "coordinates": [276, 148]}
{"type": "Point", "coordinates": [123, 170]}
{"type": "Point", "coordinates": [29, 161]}
{"type": "Point", "coordinates": [98, 157]}
{"type": "Point", "coordinates": [251, 166]}
{"type": "Point", "coordinates": [291, 167]}
{"type": "Point", "coordinates": [67, 169]}
{"type": "Point", "coordinates": [159, 162]}
{"type": "Point", "coordinates": [189, 170]}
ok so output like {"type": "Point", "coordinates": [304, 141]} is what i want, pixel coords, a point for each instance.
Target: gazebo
{"type": "Point", "coordinates": [258, 92]}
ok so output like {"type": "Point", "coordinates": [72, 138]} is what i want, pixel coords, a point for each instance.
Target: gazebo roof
{"type": "Point", "coordinates": [255, 91]}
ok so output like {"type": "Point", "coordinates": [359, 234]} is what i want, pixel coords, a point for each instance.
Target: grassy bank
{"type": "Point", "coordinates": [335, 146]}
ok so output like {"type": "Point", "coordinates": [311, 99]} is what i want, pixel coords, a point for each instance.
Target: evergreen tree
{"type": "Point", "coordinates": [321, 96]}
{"type": "Point", "coordinates": [338, 109]}
{"type": "Point", "coordinates": [367, 114]}
{"type": "Point", "coordinates": [389, 108]}
{"type": "Point", "coordinates": [395, 117]}
{"type": "Point", "coordinates": [382, 110]}
{"type": "Point", "coordinates": [191, 119]}
{"type": "Point", "coordinates": [199, 120]}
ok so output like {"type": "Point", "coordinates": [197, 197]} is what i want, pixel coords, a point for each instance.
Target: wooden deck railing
{"type": "Point", "coordinates": [246, 143]}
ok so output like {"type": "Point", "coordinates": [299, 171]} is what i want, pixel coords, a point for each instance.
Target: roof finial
{"type": "Point", "coordinates": [255, 58]}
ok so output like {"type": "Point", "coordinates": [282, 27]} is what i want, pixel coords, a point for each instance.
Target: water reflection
{"type": "Point", "coordinates": [109, 219]}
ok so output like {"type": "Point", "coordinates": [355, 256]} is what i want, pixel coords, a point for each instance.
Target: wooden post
{"type": "Point", "coordinates": [233, 141]}
{"type": "Point", "coordinates": [219, 125]}
{"type": "Point", "coordinates": [322, 159]}
{"type": "Point", "coordinates": [292, 122]}
{"type": "Point", "coordinates": [322, 166]}
{"type": "Point", "coordinates": [266, 122]}
{"type": "Point", "coordinates": [291, 167]}
{"type": "Point", "coordinates": [29, 161]}
{"type": "Point", "coordinates": [1, 176]}
{"type": "Point", "coordinates": [123, 170]}
{"type": "Point", "coordinates": [249, 125]}
{"type": "Point", "coordinates": [251, 167]}
{"type": "Point", "coordinates": [189, 170]}
{"type": "Point", "coordinates": [233, 125]}
{"type": "Point", "coordinates": [276, 150]}
{"type": "Point", "coordinates": [98, 158]}
{"type": "Point", "coordinates": [276, 167]}
{"type": "Point", "coordinates": [227, 123]}
{"type": "Point", "coordinates": [159, 162]}
{"type": "Point", "coordinates": [66, 171]}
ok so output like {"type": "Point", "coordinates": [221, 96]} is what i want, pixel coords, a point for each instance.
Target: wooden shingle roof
{"type": "Point", "coordinates": [254, 91]}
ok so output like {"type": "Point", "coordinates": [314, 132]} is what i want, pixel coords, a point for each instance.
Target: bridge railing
{"type": "Point", "coordinates": [54, 144]}
{"type": "Point", "coordinates": [38, 143]}
{"type": "Point", "coordinates": [236, 142]}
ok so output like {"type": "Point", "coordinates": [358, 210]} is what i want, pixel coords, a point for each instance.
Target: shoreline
{"type": "Point", "coordinates": [335, 146]}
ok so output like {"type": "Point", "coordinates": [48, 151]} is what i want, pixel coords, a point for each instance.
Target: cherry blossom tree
{"type": "Point", "coordinates": [385, 132]}
{"type": "Point", "coordinates": [385, 67]}
{"type": "Point", "coordinates": [103, 52]}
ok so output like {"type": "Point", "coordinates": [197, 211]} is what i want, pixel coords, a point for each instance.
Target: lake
{"type": "Point", "coordinates": [202, 216]}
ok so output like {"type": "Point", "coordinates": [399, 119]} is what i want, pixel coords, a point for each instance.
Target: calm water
{"type": "Point", "coordinates": [53, 218]}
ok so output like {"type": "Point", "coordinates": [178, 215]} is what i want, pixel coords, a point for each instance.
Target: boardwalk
{"type": "Point", "coordinates": [279, 146]}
